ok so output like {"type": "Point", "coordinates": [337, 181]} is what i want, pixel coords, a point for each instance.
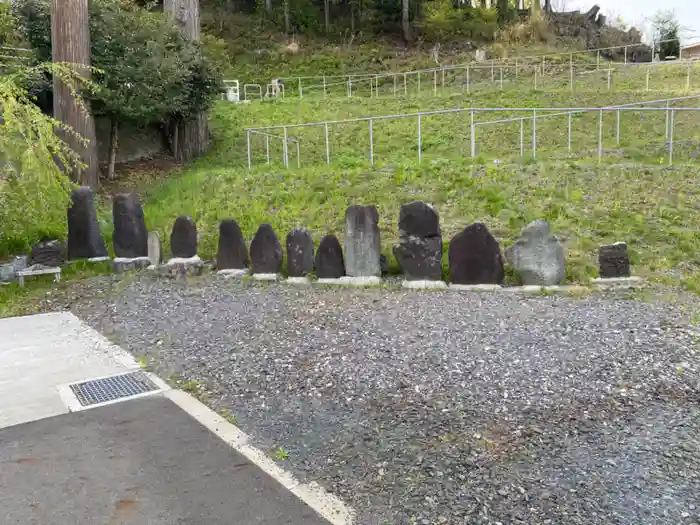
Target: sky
{"type": "Point", "coordinates": [639, 12]}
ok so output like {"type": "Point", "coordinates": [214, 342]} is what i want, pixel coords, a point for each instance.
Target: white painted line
{"type": "Point", "coordinates": [325, 504]}
{"type": "Point", "coordinates": [266, 276]}
{"type": "Point", "coordinates": [298, 280]}
{"type": "Point", "coordinates": [424, 285]}
{"type": "Point", "coordinates": [352, 281]}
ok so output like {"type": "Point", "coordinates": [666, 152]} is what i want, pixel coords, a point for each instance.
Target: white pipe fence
{"type": "Point", "coordinates": [533, 116]}
{"type": "Point", "coordinates": [538, 65]}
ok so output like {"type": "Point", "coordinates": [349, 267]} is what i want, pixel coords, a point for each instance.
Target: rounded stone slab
{"type": "Point", "coordinates": [420, 219]}
{"type": "Point", "coordinates": [475, 257]}
{"type": "Point", "coordinates": [538, 256]}
{"type": "Point", "coordinates": [232, 253]}
{"type": "Point", "coordinates": [130, 237]}
{"type": "Point", "coordinates": [183, 239]}
{"type": "Point", "coordinates": [329, 260]}
{"type": "Point", "coordinates": [266, 251]}
{"type": "Point", "coordinates": [300, 253]}
{"type": "Point", "coordinates": [84, 236]}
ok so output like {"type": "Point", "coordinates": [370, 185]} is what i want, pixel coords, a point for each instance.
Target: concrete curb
{"type": "Point", "coordinates": [351, 281]}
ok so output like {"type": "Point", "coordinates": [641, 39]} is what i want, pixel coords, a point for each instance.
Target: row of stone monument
{"type": "Point", "coordinates": [474, 255]}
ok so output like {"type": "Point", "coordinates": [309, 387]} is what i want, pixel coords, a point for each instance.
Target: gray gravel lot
{"type": "Point", "coordinates": [438, 407]}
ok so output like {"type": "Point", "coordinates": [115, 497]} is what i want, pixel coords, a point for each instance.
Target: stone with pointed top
{"type": "Point", "coordinates": [475, 257]}
{"type": "Point", "coordinates": [233, 252]}
{"type": "Point", "coordinates": [300, 253]}
{"type": "Point", "coordinates": [84, 236]}
{"type": "Point", "coordinates": [183, 239]}
{"type": "Point", "coordinates": [130, 238]}
{"type": "Point", "coordinates": [329, 260]}
{"type": "Point", "coordinates": [266, 251]}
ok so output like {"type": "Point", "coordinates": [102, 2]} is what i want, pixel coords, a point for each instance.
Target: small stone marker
{"type": "Point", "coordinates": [130, 236]}
{"type": "Point", "coordinates": [329, 259]}
{"type": "Point", "coordinates": [84, 236]}
{"type": "Point", "coordinates": [475, 257]}
{"type": "Point", "coordinates": [419, 250]}
{"type": "Point", "coordinates": [362, 248]}
{"type": "Point", "coordinates": [266, 251]}
{"type": "Point", "coordinates": [155, 248]}
{"type": "Point", "coordinates": [48, 253]}
{"type": "Point", "coordinates": [614, 261]}
{"type": "Point", "coordinates": [233, 253]}
{"type": "Point", "coordinates": [8, 270]}
{"type": "Point", "coordinates": [538, 256]}
{"type": "Point", "coordinates": [183, 239]}
{"type": "Point", "coordinates": [300, 253]}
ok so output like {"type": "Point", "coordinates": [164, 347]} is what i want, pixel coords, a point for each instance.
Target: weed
{"type": "Point", "coordinates": [280, 454]}
{"type": "Point", "coordinates": [228, 416]}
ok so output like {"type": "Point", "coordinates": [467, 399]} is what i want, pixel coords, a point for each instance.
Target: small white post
{"type": "Point", "coordinates": [492, 72]}
{"type": "Point", "coordinates": [285, 151]}
{"type": "Point", "coordinates": [394, 84]}
{"type": "Point", "coordinates": [301, 92]}
{"type": "Point", "coordinates": [349, 86]}
{"type": "Point", "coordinates": [420, 141]}
{"type": "Point", "coordinates": [298, 155]}
{"type": "Point", "coordinates": [600, 136]}
{"type": "Point", "coordinates": [535, 77]}
{"type": "Point", "coordinates": [534, 134]}
{"type": "Point", "coordinates": [435, 82]}
{"type": "Point", "coordinates": [522, 137]}
{"type": "Point", "coordinates": [405, 86]}
{"type": "Point", "coordinates": [324, 86]}
{"type": "Point", "coordinates": [443, 79]}
{"type": "Point", "coordinates": [267, 148]}
{"type": "Point", "coordinates": [516, 68]}
{"type": "Point", "coordinates": [617, 127]}
{"type": "Point", "coordinates": [625, 55]}
{"type": "Point", "coordinates": [472, 130]}
{"type": "Point", "coordinates": [670, 138]}
{"type": "Point", "coordinates": [328, 146]}
{"type": "Point", "coordinates": [468, 81]}
{"type": "Point", "coordinates": [247, 133]}
{"type": "Point", "coordinates": [501, 74]}
{"type": "Point", "coordinates": [609, 77]}
{"type": "Point", "coordinates": [419, 82]}
{"type": "Point", "coordinates": [376, 86]}
{"type": "Point", "coordinates": [371, 143]}
{"type": "Point", "coordinates": [648, 69]}
{"type": "Point", "coordinates": [597, 64]}
{"type": "Point", "coordinates": [571, 71]}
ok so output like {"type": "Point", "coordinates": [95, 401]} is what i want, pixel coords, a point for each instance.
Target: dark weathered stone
{"type": "Point", "coordinates": [155, 248]}
{"type": "Point", "coordinates": [130, 236]}
{"type": "Point", "coordinates": [420, 258]}
{"type": "Point", "coordinates": [362, 248]}
{"type": "Point", "coordinates": [84, 236]}
{"type": "Point", "coordinates": [300, 253]}
{"type": "Point", "coordinates": [329, 258]}
{"type": "Point", "coordinates": [419, 219]}
{"type": "Point", "coordinates": [614, 261]}
{"type": "Point", "coordinates": [183, 239]}
{"type": "Point", "coordinates": [475, 257]}
{"type": "Point", "coordinates": [266, 251]}
{"type": "Point", "coordinates": [419, 250]}
{"type": "Point", "coordinates": [47, 253]}
{"type": "Point", "coordinates": [233, 252]}
{"type": "Point", "coordinates": [538, 256]}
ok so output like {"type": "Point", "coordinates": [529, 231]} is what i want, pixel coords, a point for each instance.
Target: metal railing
{"type": "Point", "coordinates": [285, 141]}
{"type": "Point", "coordinates": [320, 84]}
{"type": "Point", "coordinates": [533, 116]}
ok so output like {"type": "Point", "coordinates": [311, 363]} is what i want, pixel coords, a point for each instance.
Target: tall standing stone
{"type": "Point", "coordinates": [84, 236]}
{"type": "Point", "coordinates": [614, 261]}
{"type": "Point", "coordinates": [183, 239]}
{"type": "Point", "coordinates": [362, 248]}
{"type": "Point", "coordinates": [475, 257]}
{"type": "Point", "coordinates": [130, 236]}
{"type": "Point", "coordinates": [233, 252]}
{"type": "Point", "coordinates": [538, 256]}
{"type": "Point", "coordinates": [266, 251]}
{"type": "Point", "coordinates": [419, 250]}
{"type": "Point", "coordinates": [155, 248]}
{"type": "Point", "coordinates": [300, 253]}
{"type": "Point", "coordinates": [329, 260]}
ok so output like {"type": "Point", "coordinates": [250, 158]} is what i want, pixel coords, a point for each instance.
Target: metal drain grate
{"type": "Point", "coordinates": [111, 388]}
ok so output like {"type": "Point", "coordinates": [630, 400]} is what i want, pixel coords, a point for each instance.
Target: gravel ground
{"type": "Point", "coordinates": [435, 407]}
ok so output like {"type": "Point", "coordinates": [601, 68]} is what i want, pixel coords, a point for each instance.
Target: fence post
{"type": "Point", "coordinates": [535, 78]}
{"type": "Point", "coordinates": [522, 137]}
{"type": "Point", "coordinates": [597, 63]}
{"type": "Point", "coordinates": [376, 85]}
{"type": "Point", "coordinates": [648, 69]}
{"type": "Point", "coordinates": [472, 129]}
{"type": "Point", "coordinates": [687, 80]}
{"type": "Point", "coordinates": [468, 81]}
{"type": "Point", "coordinates": [516, 68]}
{"type": "Point", "coordinates": [600, 136]}
{"type": "Point", "coordinates": [568, 143]}
{"type": "Point", "coordinates": [285, 149]}
{"type": "Point", "coordinates": [670, 139]}
{"type": "Point", "coordinates": [371, 143]}
{"type": "Point", "coordinates": [267, 148]}
{"type": "Point", "coordinates": [419, 82]}
{"type": "Point", "coordinates": [420, 141]}
{"type": "Point", "coordinates": [247, 133]}
{"type": "Point", "coordinates": [543, 66]}
{"type": "Point", "coordinates": [609, 76]}
{"type": "Point", "coordinates": [349, 86]}
{"type": "Point", "coordinates": [501, 74]}
{"type": "Point", "coordinates": [443, 79]}
{"type": "Point", "coordinates": [328, 146]}
{"type": "Point", "coordinates": [394, 75]}
{"type": "Point", "coordinates": [435, 82]}
{"type": "Point", "coordinates": [571, 71]}
{"type": "Point", "coordinates": [617, 128]}
{"type": "Point", "coordinates": [666, 124]}
{"type": "Point", "coordinates": [492, 72]}
{"type": "Point", "coordinates": [405, 87]}
{"type": "Point", "coordinates": [324, 86]}
{"type": "Point", "coordinates": [534, 134]}
{"type": "Point", "coordinates": [301, 93]}
{"type": "Point", "coordinates": [298, 155]}
{"type": "Point", "coordinates": [625, 55]}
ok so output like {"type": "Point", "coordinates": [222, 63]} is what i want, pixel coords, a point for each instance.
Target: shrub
{"type": "Point", "coordinates": [444, 22]}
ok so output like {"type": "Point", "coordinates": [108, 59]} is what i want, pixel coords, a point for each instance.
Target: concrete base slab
{"type": "Point", "coordinates": [618, 281]}
{"type": "Point", "coordinates": [233, 273]}
{"type": "Point", "coordinates": [424, 285]}
{"type": "Point", "coordinates": [352, 281]}
{"type": "Point", "coordinates": [99, 259]}
{"type": "Point", "coordinates": [476, 287]}
{"type": "Point", "coordinates": [266, 276]}
{"type": "Point", "coordinates": [298, 280]}
{"type": "Point", "coordinates": [184, 260]}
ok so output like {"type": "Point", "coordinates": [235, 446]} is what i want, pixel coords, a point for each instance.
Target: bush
{"type": "Point", "coordinates": [443, 22]}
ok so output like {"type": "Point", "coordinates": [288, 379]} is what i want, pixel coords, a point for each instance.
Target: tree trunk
{"type": "Point", "coordinates": [327, 15]}
{"type": "Point", "coordinates": [268, 5]}
{"type": "Point", "coordinates": [405, 24]}
{"type": "Point", "coordinates": [548, 6]}
{"type": "Point", "coordinates": [287, 24]}
{"type": "Point", "coordinates": [70, 42]}
{"type": "Point", "coordinates": [113, 145]}
{"type": "Point", "coordinates": [192, 135]}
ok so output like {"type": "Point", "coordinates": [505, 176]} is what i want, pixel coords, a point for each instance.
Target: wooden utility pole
{"type": "Point", "coordinates": [405, 23]}
{"type": "Point", "coordinates": [70, 42]}
{"type": "Point", "coordinates": [189, 139]}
